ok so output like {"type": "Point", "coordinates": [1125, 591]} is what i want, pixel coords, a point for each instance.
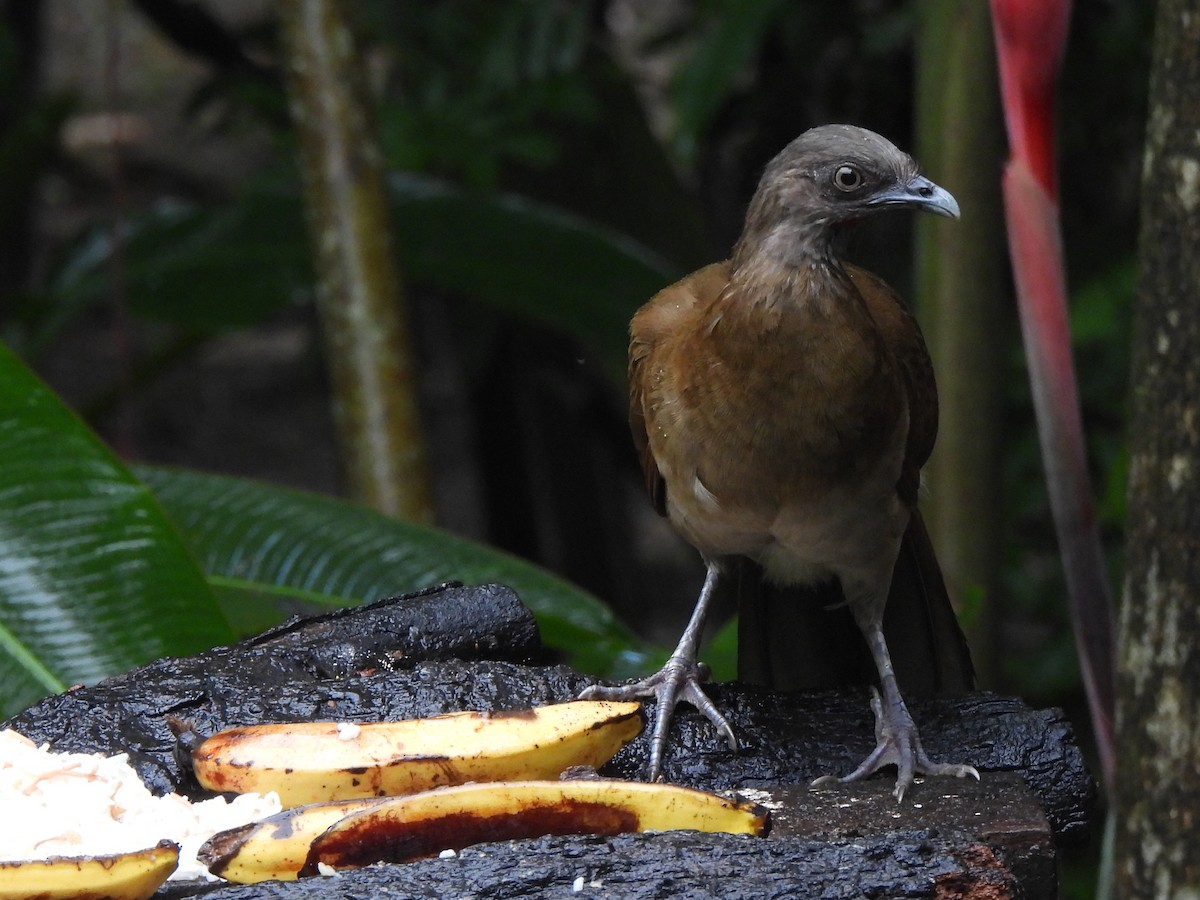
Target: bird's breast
{"type": "Point", "coordinates": [756, 418]}
{"type": "Point", "coordinates": [803, 398]}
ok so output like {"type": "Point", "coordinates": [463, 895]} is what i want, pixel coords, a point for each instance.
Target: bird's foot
{"type": "Point", "coordinates": [897, 744]}
{"type": "Point", "coordinates": [678, 680]}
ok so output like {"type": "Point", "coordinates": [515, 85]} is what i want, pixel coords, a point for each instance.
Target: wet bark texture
{"type": "Point", "coordinates": [477, 648]}
{"type": "Point", "coordinates": [917, 864]}
{"type": "Point", "coordinates": [1158, 702]}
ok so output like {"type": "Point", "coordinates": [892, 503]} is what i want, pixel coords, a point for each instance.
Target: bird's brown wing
{"type": "Point", "coordinates": [903, 337]}
{"type": "Point", "coordinates": [662, 316]}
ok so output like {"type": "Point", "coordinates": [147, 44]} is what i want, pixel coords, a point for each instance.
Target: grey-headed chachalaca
{"type": "Point", "coordinates": [783, 403]}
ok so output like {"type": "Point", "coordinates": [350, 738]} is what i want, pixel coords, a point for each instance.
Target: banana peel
{"type": "Point", "coordinates": [275, 847]}
{"type": "Point", "coordinates": [121, 876]}
{"type": "Point", "coordinates": [312, 762]}
{"type": "Point", "coordinates": [297, 842]}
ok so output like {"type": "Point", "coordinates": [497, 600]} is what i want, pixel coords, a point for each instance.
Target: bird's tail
{"type": "Point", "coordinates": [804, 638]}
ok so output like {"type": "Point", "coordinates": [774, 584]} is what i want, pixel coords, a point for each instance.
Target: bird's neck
{"type": "Point", "coordinates": [790, 268]}
{"type": "Point", "coordinates": [791, 241]}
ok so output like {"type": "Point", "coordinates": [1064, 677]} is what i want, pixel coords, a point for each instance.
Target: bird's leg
{"type": "Point", "coordinates": [679, 679]}
{"type": "Point", "coordinates": [896, 740]}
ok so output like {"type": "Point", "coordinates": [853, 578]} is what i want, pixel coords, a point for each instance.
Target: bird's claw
{"type": "Point", "coordinates": [898, 744]}
{"type": "Point", "coordinates": [678, 680]}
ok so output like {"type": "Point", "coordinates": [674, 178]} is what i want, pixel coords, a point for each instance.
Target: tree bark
{"type": "Point", "coordinates": [1158, 684]}
{"type": "Point", "coordinates": [360, 299]}
{"type": "Point", "coordinates": [959, 276]}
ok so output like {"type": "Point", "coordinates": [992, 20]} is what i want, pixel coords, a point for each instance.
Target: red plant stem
{"type": "Point", "coordinates": [1035, 244]}
{"type": "Point", "coordinates": [1031, 36]}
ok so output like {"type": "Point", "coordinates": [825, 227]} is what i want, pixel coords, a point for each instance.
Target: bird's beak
{"type": "Point", "coordinates": [918, 193]}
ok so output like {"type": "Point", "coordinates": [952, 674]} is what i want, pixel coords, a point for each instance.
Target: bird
{"type": "Point", "coordinates": [782, 403]}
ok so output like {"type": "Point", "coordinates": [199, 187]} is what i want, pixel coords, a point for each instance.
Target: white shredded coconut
{"type": "Point", "coordinates": [324, 868]}
{"type": "Point", "coordinates": [448, 853]}
{"type": "Point", "coordinates": [79, 804]}
{"type": "Point", "coordinates": [348, 731]}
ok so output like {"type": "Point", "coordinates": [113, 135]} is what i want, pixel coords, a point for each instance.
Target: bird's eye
{"type": "Point", "coordinates": [847, 178]}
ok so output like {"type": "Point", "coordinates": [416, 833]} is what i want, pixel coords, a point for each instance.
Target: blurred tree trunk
{"type": "Point", "coordinates": [959, 288]}
{"type": "Point", "coordinates": [360, 299]}
{"type": "Point", "coordinates": [1158, 680]}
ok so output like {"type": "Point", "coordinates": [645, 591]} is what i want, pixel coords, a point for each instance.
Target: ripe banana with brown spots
{"type": "Point", "coordinates": [299, 842]}
{"type": "Point", "coordinates": [311, 762]}
{"type": "Point", "coordinates": [276, 847]}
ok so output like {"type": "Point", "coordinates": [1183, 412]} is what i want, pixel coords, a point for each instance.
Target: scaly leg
{"type": "Point", "coordinates": [896, 740]}
{"type": "Point", "coordinates": [678, 680]}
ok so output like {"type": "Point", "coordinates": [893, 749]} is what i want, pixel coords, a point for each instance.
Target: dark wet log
{"type": "Point", "coordinates": [396, 660]}
{"type": "Point", "coordinates": [998, 812]}
{"type": "Point", "coordinates": [321, 667]}
{"type": "Point", "coordinates": [676, 864]}
{"type": "Point", "coordinates": [795, 738]}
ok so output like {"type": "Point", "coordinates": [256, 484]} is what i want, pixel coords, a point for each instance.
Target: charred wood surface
{"type": "Point", "coordinates": [456, 648]}
{"type": "Point", "coordinates": [676, 864]}
{"type": "Point", "coordinates": [332, 666]}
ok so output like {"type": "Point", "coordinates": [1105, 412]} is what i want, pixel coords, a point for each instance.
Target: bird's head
{"type": "Point", "coordinates": [826, 178]}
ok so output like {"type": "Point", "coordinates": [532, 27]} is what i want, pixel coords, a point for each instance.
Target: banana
{"type": "Point", "coordinates": [401, 829]}
{"type": "Point", "coordinates": [310, 762]}
{"type": "Point", "coordinates": [275, 847]}
{"type": "Point", "coordinates": [121, 876]}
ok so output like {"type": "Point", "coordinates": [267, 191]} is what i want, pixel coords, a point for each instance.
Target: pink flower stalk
{"type": "Point", "coordinates": [1030, 39]}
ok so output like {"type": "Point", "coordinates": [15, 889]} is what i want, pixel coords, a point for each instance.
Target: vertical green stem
{"type": "Point", "coordinates": [959, 276]}
{"type": "Point", "coordinates": [359, 290]}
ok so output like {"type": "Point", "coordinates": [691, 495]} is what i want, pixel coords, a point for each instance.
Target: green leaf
{"type": "Point", "coordinates": [720, 654]}
{"type": "Point", "coordinates": [211, 269]}
{"type": "Point", "coordinates": [1101, 310]}
{"type": "Point", "coordinates": [722, 57]}
{"type": "Point", "coordinates": [528, 259]}
{"type": "Point", "coordinates": [204, 268]}
{"type": "Point", "coordinates": [93, 578]}
{"type": "Point", "coordinates": [272, 551]}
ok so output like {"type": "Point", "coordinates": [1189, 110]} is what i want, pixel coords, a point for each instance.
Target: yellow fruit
{"type": "Point", "coordinates": [310, 762]}
{"type": "Point", "coordinates": [401, 829]}
{"type": "Point", "coordinates": [275, 847]}
{"type": "Point", "coordinates": [121, 876]}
